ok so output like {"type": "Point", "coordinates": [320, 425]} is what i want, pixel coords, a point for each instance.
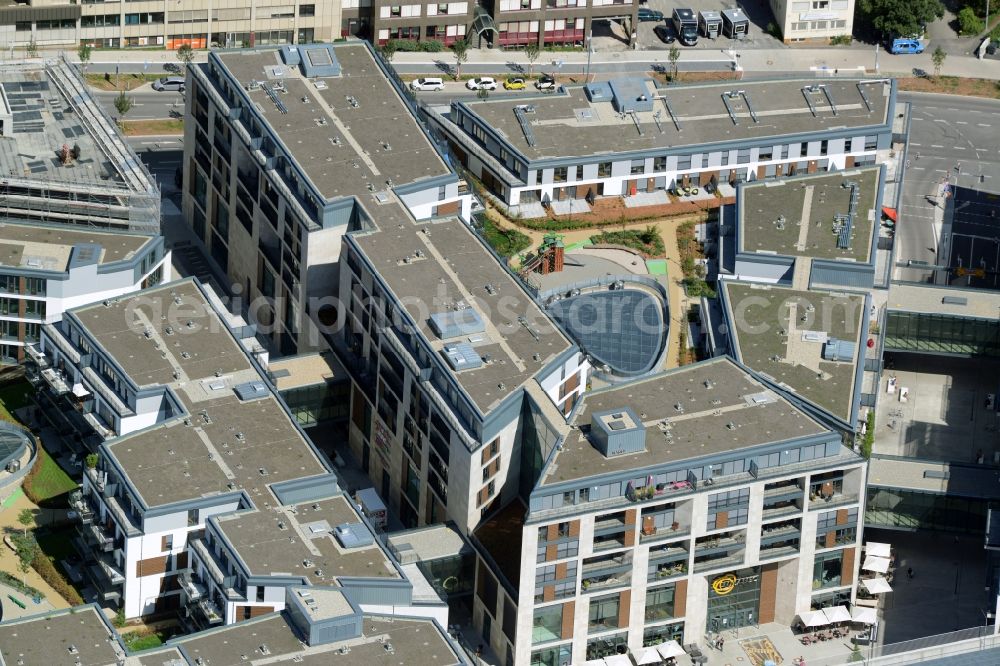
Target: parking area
{"type": "Point", "coordinates": [946, 416]}
{"type": "Point", "coordinates": [757, 11]}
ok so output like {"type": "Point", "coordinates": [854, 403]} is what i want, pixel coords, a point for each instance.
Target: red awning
{"type": "Point", "coordinates": [890, 213]}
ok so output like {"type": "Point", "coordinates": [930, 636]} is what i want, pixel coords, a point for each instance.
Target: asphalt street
{"type": "Point", "coordinates": [953, 140]}
{"type": "Point", "coordinates": [146, 103]}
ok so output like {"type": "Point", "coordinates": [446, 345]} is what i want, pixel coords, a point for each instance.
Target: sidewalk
{"type": "Point", "coordinates": [779, 61]}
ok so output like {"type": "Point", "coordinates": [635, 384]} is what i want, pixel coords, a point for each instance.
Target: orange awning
{"type": "Point", "coordinates": [890, 213]}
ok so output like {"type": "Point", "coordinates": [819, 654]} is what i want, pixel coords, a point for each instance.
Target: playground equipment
{"type": "Point", "coordinates": [548, 259]}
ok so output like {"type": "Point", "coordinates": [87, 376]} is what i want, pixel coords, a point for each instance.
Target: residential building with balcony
{"type": "Point", "coordinates": [674, 506]}
{"type": "Point", "coordinates": [63, 159]}
{"type": "Point", "coordinates": [48, 268]}
{"type": "Point", "coordinates": [629, 137]}
{"type": "Point", "coordinates": [153, 23]}
{"type": "Point", "coordinates": [813, 20]}
{"type": "Point", "coordinates": [459, 377]}
{"type": "Point", "coordinates": [287, 151]}
{"type": "Point", "coordinates": [207, 498]}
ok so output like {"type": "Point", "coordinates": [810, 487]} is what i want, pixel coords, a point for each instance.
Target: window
{"type": "Point", "coordinates": [167, 543]}
{"type": "Point", "coordinates": [604, 170]}
{"type": "Point", "coordinates": [569, 498]}
{"type": "Point", "coordinates": [547, 624]}
{"type": "Point", "coordinates": [603, 614]}
{"type": "Point", "coordinates": [638, 167]}
{"type": "Point", "coordinates": [34, 309]}
{"type": "Point", "coordinates": [395, 10]}
{"type": "Point", "coordinates": [560, 174]}
{"type": "Point", "coordinates": [660, 163]}
{"type": "Point", "coordinates": [827, 569]}
{"type": "Point", "coordinates": [307, 10]}
{"type": "Point", "coordinates": [260, 593]}
{"type": "Point", "coordinates": [660, 603]}
{"type": "Point", "coordinates": [821, 4]}
{"type": "Point", "coordinates": [9, 284]}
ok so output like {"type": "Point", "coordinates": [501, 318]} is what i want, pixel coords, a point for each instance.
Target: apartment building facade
{"type": "Point", "coordinates": [289, 150]}
{"type": "Point", "coordinates": [813, 20]}
{"type": "Point", "coordinates": [53, 268]}
{"type": "Point", "coordinates": [153, 23]}
{"type": "Point", "coordinates": [639, 530]}
{"type": "Point", "coordinates": [170, 517]}
{"type": "Point", "coordinates": [541, 148]}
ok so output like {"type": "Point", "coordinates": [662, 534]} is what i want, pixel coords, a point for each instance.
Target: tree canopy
{"type": "Point", "coordinates": [901, 18]}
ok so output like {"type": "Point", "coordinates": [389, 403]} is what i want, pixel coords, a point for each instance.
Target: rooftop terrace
{"type": "Point", "coordinates": [346, 132]}
{"type": "Point", "coordinates": [568, 124]}
{"type": "Point", "coordinates": [263, 542]}
{"type": "Point", "coordinates": [722, 408]}
{"type": "Point", "coordinates": [442, 267]}
{"type": "Point", "coordinates": [784, 334]}
{"type": "Point", "coordinates": [796, 216]}
{"type": "Point", "coordinates": [51, 247]}
{"type": "Point", "coordinates": [227, 442]}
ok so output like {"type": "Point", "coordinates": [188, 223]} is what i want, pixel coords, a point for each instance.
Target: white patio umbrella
{"type": "Point", "coordinates": [876, 549]}
{"type": "Point", "coordinates": [864, 615]}
{"type": "Point", "coordinates": [669, 649]}
{"type": "Point", "coordinates": [836, 614]}
{"type": "Point", "coordinates": [876, 585]}
{"type": "Point", "coordinates": [646, 655]}
{"type": "Point", "coordinates": [618, 660]}
{"type": "Point", "coordinates": [813, 619]}
{"type": "Point", "coordinates": [876, 564]}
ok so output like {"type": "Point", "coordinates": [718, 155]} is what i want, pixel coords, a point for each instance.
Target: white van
{"type": "Point", "coordinates": [428, 83]}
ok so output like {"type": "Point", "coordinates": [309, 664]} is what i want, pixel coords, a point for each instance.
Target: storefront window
{"type": "Point", "coordinates": [605, 646]}
{"type": "Point", "coordinates": [560, 655]}
{"type": "Point", "coordinates": [662, 633]}
{"type": "Point", "coordinates": [733, 599]}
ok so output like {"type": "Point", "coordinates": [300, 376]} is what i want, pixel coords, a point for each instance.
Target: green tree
{"type": "Point", "coordinates": [900, 17]}
{"type": "Point", "coordinates": [388, 50]}
{"type": "Point", "coordinates": [673, 56]}
{"type": "Point", "coordinates": [185, 54]}
{"type": "Point", "coordinates": [32, 48]}
{"type": "Point", "coordinates": [531, 53]}
{"type": "Point", "coordinates": [968, 22]}
{"type": "Point", "coordinates": [26, 549]}
{"type": "Point", "coordinates": [91, 460]}
{"type": "Point", "coordinates": [938, 59]}
{"type": "Point", "coordinates": [123, 105]}
{"type": "Point", "coordinates": [461, 50]}
{"type": "Point", "coordinates": [83, 53]}
{"type": "Point", "coordinates": [26, 519]}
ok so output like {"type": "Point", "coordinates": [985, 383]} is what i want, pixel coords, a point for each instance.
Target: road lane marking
{"type": "Point", "coordinates": [983, 125]}
{"type": "Point", "coordinates": [940, 120]}
{"type": "Point", "coordinates": [937, 145]}
{"type": "Point", "coordinates": [916, 168]}
{"type": "Point", "coordinates": [961, 122]}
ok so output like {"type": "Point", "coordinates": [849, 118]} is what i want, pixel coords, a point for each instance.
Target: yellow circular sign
{"type": "Point", "coordinates": [724, 584]}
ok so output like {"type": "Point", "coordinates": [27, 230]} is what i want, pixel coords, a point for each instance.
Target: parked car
{"type": "Point", "coordinates": [546, 82]}
{"type": "Point", "coordinates": [647, 14]}
{"type": "Point", "coordinates": [664, 33]}
{"type": "Point", "coordinates": [427, 83]}
{"type": "Point", "coordinates": [169, 83]}
{"type": "Point", "coordinates": [482, 83]}
{"type": "Point", "coordinates": [902, 46]}
{"type": "Point", "coordinates": [514, 84]}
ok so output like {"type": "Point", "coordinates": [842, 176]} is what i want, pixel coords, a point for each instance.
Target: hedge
{"type": "Point", "coordinates": [47, 570]}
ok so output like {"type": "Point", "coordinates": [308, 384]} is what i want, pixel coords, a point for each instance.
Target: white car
{"type": "Point", "coordinates": [482, 83]}
{"type": "Point", "coordinates": [427, 83]}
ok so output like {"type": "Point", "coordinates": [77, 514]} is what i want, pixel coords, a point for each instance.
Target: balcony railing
{"type": "Point", "coordinates": [194, 591]}
{"type": "Point", "coordinates": [57, 380]}
{"type": "Point", "coordinates": [210, 611]}
{"type": "Point", "coordinates": [84, 511]}
{"type": "Point", "coordinates": [837, 499]}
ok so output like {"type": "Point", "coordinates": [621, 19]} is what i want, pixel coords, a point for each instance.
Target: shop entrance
{"type": "Point", "coordinates": [733, 600]}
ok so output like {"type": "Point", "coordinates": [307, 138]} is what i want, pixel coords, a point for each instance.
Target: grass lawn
{"type": "Point", "coordinates": [951, 85]}
{"type": "Point", "coordinates": [155, 127]}
{"type": "Point", "coordinates": [47, 480]}
{"type": "Point", "coordinates": [14, 395]}
{"type": "Point", "coordinates": [135, 641]}
{"type": "Point", "coordinates": [125, 81]}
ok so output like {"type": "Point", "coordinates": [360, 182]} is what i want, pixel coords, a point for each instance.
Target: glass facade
{"type": "Point", "coordinates": [942, 334]}
{"type": "Point", "coordinates": [662, 633]}
{"type": "Point", "coordinates": [315, 404]}
{"type": "Point", "coordinates": [827, 569]}
{"type": "Point", "coordinates": [912, 510]}
{"type": "Point", "coordinates": [660, 603]}
{"type": "Point", "coordinates": [547, 624]}
{"type": "Point", "coordinates": [605, 646]}
{"type": "Point", "coordinates": [733, 599]}
{"type": "Point", "coordinates": [560, 655]}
